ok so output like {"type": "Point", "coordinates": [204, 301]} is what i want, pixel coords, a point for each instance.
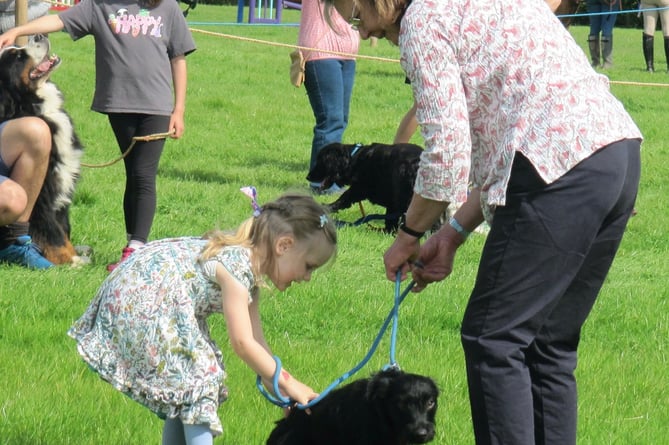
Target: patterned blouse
{"type": "Point", "coordinates": [498, 77]}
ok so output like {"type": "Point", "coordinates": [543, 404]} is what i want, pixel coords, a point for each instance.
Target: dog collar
{"type": "Point", "coordinates": [355, 149]}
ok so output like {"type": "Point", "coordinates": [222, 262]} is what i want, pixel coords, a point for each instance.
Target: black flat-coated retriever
{"type": "Point", "coordinates": [390, 408]}
{"type": "Point", "coordinates": [380, 173]}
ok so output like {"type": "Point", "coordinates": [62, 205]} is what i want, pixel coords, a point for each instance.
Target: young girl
{"type": "Point", "coordinates": [146, 330]}
{"type": "Point", "coordinates": [140, 65]}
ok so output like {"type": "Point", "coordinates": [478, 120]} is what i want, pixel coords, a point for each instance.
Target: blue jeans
{"type": "Point", "coordinates": [602, 22]}
{"type": "Point", "coordinates": [329, 83]}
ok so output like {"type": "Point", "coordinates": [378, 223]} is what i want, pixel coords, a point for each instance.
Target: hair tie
{"type": "Point", "coordinates": [323, 220]}
{"type": "Point", "coordinates": [251, 192]}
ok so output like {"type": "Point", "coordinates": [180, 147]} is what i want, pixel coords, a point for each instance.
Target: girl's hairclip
{"type": "Point", "coordinates": [323, 220]}
{"type": "Point", "coordinates": [251, 192]}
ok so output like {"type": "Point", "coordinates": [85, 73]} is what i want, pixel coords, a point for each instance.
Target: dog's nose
{"type": "Point", "coordinates": [423, 435]}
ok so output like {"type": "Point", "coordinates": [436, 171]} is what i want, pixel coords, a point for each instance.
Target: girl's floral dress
{"type": "Point", "coordinates": [146, 331]}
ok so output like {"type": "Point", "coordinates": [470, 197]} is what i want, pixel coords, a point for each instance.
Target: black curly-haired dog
{"type": "Point", "coordinates": [390, 408]}
{"type": "Point", "coordinates": [380, 173]}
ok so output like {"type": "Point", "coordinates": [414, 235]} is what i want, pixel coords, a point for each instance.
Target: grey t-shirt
{"type": "Point", "coordinates": [133, 49]}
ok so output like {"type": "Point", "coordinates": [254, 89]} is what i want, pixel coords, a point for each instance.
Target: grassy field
{"type": "Point", "coordinates": [247, 125]}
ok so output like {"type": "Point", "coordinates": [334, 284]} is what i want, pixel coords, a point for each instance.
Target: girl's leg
{"type": "Point", "coordinates": [173, 432]}
{"type": "Point", "coordinates": [141, 166]}
{"type": "Point", "coordinates": [198, 435]}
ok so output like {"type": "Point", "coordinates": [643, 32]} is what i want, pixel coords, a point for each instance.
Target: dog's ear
{"type": "Point", "coordinates": [379, 384]}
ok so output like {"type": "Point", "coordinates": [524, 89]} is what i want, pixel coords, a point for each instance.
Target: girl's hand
{"type": "Point", "coordinates": [7, 38]}
{"type": "Point", "coordinates": [177, 127]}
{"type": "Point", "coordinates": [299, 392]}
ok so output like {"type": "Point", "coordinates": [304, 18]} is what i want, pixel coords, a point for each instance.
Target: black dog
{"type": "Point", "coordinates": [390, 408]}
{"type": "Point", "coordinates": [382, 174]}
{"type": "Point", "coordinates": [25, 90]}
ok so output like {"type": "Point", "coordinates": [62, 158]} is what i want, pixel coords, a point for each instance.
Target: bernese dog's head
{"type": "Point", "coordinates": [27, 68]}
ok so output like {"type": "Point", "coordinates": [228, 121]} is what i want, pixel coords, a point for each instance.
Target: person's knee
{"type": "Point", "coordinates": [13, 201]}
{"type": "Point", "coordinates": [37, 137]}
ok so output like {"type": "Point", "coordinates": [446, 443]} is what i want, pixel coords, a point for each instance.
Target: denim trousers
{"type": "Point", "coordinates": [600, 22]}
{"type": "Point", "coordinates": [329, 83]}
{"type": "Point", "coordinates": [543, 264]}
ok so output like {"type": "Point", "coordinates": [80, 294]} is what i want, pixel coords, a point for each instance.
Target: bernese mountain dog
{"type": "Point", "coordinates": [25, 90]}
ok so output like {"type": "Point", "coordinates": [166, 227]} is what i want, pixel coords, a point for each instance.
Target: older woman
{"type": "Point", "coordinates": [508, 101]}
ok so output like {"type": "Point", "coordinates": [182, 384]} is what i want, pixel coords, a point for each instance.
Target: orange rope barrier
{"type": "Point", "coordinates": [360, 56]}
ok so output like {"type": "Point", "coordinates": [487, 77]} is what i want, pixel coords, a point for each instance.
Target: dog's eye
{"type": "Point", "coordinates": [430, 404]}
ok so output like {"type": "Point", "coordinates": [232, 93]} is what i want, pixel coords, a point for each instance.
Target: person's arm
{"type": "Point", "coordinates": [243, 324]}
{"type": "Point", "coordinates": [407, 127]}
{"type": "Point", "coordinates": [179, 78]}
{"type": "Point", "coordinates": [42, 25]}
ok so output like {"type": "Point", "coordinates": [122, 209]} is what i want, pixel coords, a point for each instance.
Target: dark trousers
{"type": "Point", "coordinates": [545, 259]}
{"type": "Point", "coordinates": [141, 168]}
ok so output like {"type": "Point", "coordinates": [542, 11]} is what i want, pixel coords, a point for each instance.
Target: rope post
{"type": "Point", "coordinates": [20, 18]}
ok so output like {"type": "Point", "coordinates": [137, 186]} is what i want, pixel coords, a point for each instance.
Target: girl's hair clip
{"type": "Point", "coordinates": [323, 220]}
{"type": "Point", "coordinates": [251, 192]}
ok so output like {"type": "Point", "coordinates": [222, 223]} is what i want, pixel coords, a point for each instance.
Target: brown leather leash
{"type": "Point", "coordinates": [147, 138]}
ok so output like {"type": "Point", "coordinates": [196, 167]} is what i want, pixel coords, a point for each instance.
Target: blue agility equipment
{"type": "Point", "coordinates": [284, 402]}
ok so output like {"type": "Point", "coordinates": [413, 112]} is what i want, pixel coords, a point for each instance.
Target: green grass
{"type": "Point", "coordinates": [247, 125]}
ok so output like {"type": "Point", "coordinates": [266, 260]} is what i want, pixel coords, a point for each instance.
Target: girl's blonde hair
{"type": "Point", "coordinates": [294, 214]}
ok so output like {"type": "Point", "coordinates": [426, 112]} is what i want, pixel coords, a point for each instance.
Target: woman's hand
{"type": "Point", "coordinates": [398, 256]}
{"type": "Point", "coordinates": [436, 258]}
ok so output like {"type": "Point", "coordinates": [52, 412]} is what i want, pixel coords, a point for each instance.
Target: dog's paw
{"type": "Point", "coordinates": [80, 261]}
{"type": "Point", "coordinates": [83, 257]}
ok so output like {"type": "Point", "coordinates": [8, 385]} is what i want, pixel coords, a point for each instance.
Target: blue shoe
{"type": "Point", "coordinates": [24, 253]}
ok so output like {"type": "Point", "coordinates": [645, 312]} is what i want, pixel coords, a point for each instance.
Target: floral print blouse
{"type": "Point", "coordinates": [498, 77]}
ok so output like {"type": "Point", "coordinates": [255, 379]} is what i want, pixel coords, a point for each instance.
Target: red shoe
{"type": "Point", "coordinates": [127, 251]}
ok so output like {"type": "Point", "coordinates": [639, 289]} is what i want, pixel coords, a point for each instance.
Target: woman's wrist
{"type": "Point", "coordinates": [409, 231]}
{"type": "Point", "coordinates": [455, 225]}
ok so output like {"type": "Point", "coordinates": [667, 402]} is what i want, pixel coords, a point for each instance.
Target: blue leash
{"type": "Point", "coordinates": [366, 219]}
{"type": "Point", "coordinates": [285, 402]}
